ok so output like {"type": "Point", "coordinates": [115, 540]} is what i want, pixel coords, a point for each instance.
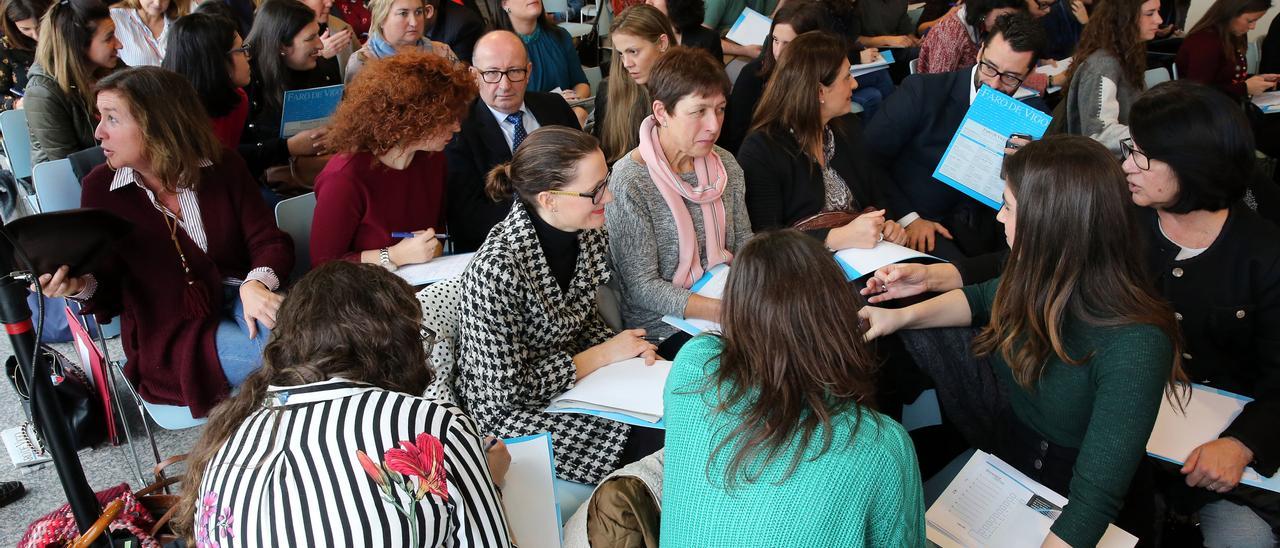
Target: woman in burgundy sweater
{"type": "Point", "coordinates": [392, 126]}
{"type": "Point", "coordinates": [1213, 52]}
{"type": "Point", "coordinates": [194, 280]}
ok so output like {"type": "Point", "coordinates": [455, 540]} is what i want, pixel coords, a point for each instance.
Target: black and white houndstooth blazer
{"type": "Point", "coordinates": [518, 334]}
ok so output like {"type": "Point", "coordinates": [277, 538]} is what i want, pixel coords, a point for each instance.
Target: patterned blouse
{"type": "Point", "coordinates": [341, 463]}
{"type": "Point", "coordinates": [838, 197]}
{"type": "Point", "coordinates": [14, 64]}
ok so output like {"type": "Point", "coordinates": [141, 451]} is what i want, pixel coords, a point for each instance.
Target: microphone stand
{"type": "Point", "coordinates": [46, 411]}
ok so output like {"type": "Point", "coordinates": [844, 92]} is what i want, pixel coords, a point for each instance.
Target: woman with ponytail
{"type": "Point", "coordinates": [194, 280]}
{"type": "Point", "coordinates": [304, 454]}
{"type": "Point", "coordinates": [680, 206]}
{"type": "Point", "coordinates": [532, 329]}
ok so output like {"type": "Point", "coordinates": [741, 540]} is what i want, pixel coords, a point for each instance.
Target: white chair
{"type": "Point", "coordinates": [589, 10]}
{"type": "Point", "coordinates": [1156, 76]}
{"type": "Point", "coordinates": [441, 311]}
{"type": "Point", "coordinates": [576, 30]}
{"type": "Point", "coordinates": [293, 216]}
{"type": "Point", "coordinates": [912, 65]}
{"type": "Point", "coordinates": [17, 142]}
{"type": "Point", "coordinates": [1253, 56]}
{"type": "Point", "coordinates": [733, 69]}
{"type": "Point", "coordinates": [594, 75]}
{"type": "Point", "coordinates": [57, 188]}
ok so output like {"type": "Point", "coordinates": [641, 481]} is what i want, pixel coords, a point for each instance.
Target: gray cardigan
{"type": "Point", "coordinates": [643, 244]}
{"type": "Point", "coordinates": [1098, 101]}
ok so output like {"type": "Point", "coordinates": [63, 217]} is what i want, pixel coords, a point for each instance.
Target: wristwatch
{"type": "Point", "coordinates": [384, 259]}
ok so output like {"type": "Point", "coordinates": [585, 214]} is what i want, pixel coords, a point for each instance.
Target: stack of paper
{"type": "Point", "coordinates": [991, 503]}
{"type": "Point", "coordinates": [710, 285]}
{"type": "Point", "coordinates": [1207, 414]}
{"type": "Point", "coordinates": [436, 270]}
{"type": "Point", "coordinates": [529, 497]}
{"type": "Point", "coordinates": [973, 160]}
{"type": "Point", "coordinates": [627, 391]}
{"type": "Point", "coordinates": [860, 262]}
{"type": "Point", "coordinates": [886, 59]}
{"type": "Point", "coordinates": [750, 29]}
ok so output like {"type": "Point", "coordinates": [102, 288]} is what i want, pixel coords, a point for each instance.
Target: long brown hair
{"type": "Point", "coordinates": [1219, 17]}
{"type": "Point", "coordinates": [803, 16]}
{"type": "Point", "coordinates": [355, 321]}
{"type": "Point", "coordinates": [1075, 257]}
{"type": "Point", "coordinates": [790, 100]}
{"type": "Point", "coordinates": [1113, 28]}
{"type": "Point", "coordinates": [629, 102]}
{"type": "Point", "coordinates": [792, 354]}
{"type": "Point", "coordinates": [175, 136]}
{"type": "Point", "coordinates": [66, 32]}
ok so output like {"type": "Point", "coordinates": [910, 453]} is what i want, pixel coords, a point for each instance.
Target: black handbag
{"type": "Point", "coordinates": [81, 407]}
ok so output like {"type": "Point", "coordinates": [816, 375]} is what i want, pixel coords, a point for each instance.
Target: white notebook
{"type": "Point", "coordinates": [750, 29]}
{"type": "Point", "coordinates": [529, 497]}
{"type": "Point", "coordinates": [435, 270]}
{"type": "Point", "coordinates": [20, 452]}
{"type": "Point", "coordinates": [710, 285]}
{"type": "Point", "coordinates": [627, 391]}
{"type": "Point", "coordinates": [860, 262]}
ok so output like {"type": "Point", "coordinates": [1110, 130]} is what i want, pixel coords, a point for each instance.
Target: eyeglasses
{"type": "Point", "coordinates": [1140, 159]}
{"type": "Point", "coordinates": [243, 50]}
{"type": "Point", "coordinates": [495, 76]}
{"type": "Point", "coordinates": [427, 335]}
{"type": "Point", "coordinates": [991, 71]}
{"type": "Point", "coordinates": [596, 193]}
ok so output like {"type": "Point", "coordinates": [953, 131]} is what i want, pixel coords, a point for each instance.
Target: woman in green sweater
{"type": "Point", "coordinates": [1075, 331]}
{"type": "Point", "coordinates": [771, 439]}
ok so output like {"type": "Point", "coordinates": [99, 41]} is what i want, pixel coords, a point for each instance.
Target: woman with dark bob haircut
{"type": "Point", "coordinates": [329, 445]}
{"type": "Point", "coordinates": [390, 175]}
{"type": "Point", "coordinates": [1218, 262]}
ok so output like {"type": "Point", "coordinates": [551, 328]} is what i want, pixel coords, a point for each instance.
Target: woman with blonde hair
{"type": "Point", "coordinates": [398, 26]}
{"type": "Point", "coordinates": [640, 35]}
{"type": "Point", "coordinates": [143, 27]}
{"type": "Point", "coordinates": [77, 47]}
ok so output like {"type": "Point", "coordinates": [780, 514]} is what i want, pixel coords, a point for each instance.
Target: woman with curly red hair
{"type": "Point", "coordinates": [390, 175]}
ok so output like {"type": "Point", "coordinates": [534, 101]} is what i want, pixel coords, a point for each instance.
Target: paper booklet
{"type": "Point", "coordinates": [750, 29]}
{"type": "Point", "coordinates": [627, 391]}
{"type": "Point", "coordinates": [529, 497]}
{"type": "Point", "coordinates": [973, 160]}
{"type": "Point", "coordinates": [1269, 101]}
{"type": "Point", "coordinates": [435, 270]}
{"type": "Point", "coordinates": [710, 285]}
{"type": "Point", "coordinates": [992, 504]}
{"type": "Point", "coordinates": [886, 59]}
{"type": "Point", "coordinates": [308, 109]}
{"type": "Point", "coordinates": [861, 262]}
{"type": "Point", "coordinates": [1208, 413]}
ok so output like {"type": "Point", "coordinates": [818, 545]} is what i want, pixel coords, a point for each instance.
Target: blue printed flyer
{"type": "Point", "coordinates": [972, 161]}
{"type": "Point", "coordinates": [308, 109]}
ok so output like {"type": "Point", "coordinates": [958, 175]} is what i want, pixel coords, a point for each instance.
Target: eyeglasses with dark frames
{"type": "Point", "coordinates": [1140, 159]}
{"type": "Point", "coordinates": [495, 76]}
{"type": "Point", "coordinates": [246, 51]}
{"type": "Point", "coordinates": [596, 193]}
{"type": "Point", "coordinates": [991, 71]}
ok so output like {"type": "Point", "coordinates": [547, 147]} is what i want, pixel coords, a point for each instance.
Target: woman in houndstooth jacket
{"type": "Point", "coordinates": [530, 328]}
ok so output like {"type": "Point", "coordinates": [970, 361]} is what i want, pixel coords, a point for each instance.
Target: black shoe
{"type": "Point", "coordinates": [11, 491]}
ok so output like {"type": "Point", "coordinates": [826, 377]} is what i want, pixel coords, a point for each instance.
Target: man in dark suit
{"type": "Point", "coordinates": [913, 127]}
{"type": "Point", "coordinates": [500, 119]}
{"type": "Point", "coordinates": [454, 24]}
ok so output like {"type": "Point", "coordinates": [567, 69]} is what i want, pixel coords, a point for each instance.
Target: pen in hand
{"type": "Point", "coordinates": [410, 235]}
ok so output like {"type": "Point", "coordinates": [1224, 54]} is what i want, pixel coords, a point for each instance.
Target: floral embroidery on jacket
{"type": "Point", "coordinates": [422, 460]}
{"type": "Point", "coordinates": [212, 521]}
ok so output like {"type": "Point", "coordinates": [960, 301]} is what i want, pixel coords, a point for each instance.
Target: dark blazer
{"type": "Point", "coordinates": [458, 26]}
{"type": "Point", "coordinates": [475, 149]}
{"type": "Point", "coordinates": [785, 185]}
{"type": "Point", "coordinates": [698, 36]}
{"type": "Point", "coordinates": [911, 131]}
{"type": "Point", "coordinates": [1228, 304]}
{"type": "Point", "coordinates": [747, 90]}
{"type": "Point", "coordinates": [260, 143]}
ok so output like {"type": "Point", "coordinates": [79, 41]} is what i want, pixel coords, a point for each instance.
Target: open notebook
{"type": "Point", "coordinates": [861, 262]}
{"type": "Point", "coordinates": [435, 270]}
{"type": "Point", "coordinates": [627, 391]}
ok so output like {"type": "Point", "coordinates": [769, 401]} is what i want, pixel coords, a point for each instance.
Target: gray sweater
{"type": "Point", "coordinates": [1098, 101]}
{"type": "Point", "coordinates": [643, 244]}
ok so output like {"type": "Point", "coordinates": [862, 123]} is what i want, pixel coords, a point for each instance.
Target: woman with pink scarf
{"type": "Point", "coordinates": [679, 201]}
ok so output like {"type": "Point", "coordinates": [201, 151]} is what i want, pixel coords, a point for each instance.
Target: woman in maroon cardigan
{"type": "Point", "coordinates": [1213, 53]}
{"type": "Point", "coordinates": [194, 280]}
{"type": "Point", "coordinates": [389, 179]}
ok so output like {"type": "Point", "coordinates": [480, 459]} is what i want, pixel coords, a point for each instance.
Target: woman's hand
{"type": "Point", "coordinates": [1260, 83]}
{"type": "Point", "coordinates": [60, 283]}
{"type": "Point", "coordinates": [311, 142]}
{"type": "Point", "coordinates": [260, 305]}
{"type": "Point", "coordinates": [334, 42]}
{"type": "Point", "coordinates": [921, 234]}
{"type": "Point", "coordinates": [627, 344]}
{"type": "Point", "coordinates": [893, 232]}
{"type": "Point", "coordinates": [499, 459]}
{"type": "Point", "coordinates": [422, 247]}
{"type": "Point", "coordinates": [1217, 465]}
{"type": "Point", "coordinates": [1078, 10]}
{"type": "Point", "coordinates": [897, 281]}
{"type": "Point", "coordinates": [864, 232]}
{"type": "Point", "coordinates": [881, 321]}
{"type": "Point", "coordinates": [869, 55]}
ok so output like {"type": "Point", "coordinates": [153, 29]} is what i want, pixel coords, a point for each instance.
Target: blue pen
{"type": "Point", "coordinates": [16, 93]}
{"type": "Point", "coordinates": [410, 235]}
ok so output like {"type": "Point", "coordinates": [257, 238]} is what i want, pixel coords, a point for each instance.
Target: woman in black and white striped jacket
{"type": "Point", "coordinates": [325, 446]}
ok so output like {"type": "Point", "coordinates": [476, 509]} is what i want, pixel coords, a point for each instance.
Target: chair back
{"type": "Point", "coordinates": [1158, 75]}
{"type": "Point", "coordinates": [293, 216]}
{"type": "Point", "coordinates": [57, 188]}
{"type": "Point", "coordinates": [17, 141]}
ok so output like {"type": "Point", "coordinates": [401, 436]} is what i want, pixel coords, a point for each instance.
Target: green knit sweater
{"type": "Point", "coordinates": [1105, 407]}
{"type": "Point", "coordinates": [864, 491]}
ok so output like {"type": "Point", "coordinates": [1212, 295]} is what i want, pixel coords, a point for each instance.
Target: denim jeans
{"type": "Point", "coordinates": [238, 354]}
{"type": "Point", "coordinates": [1224, 523]}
